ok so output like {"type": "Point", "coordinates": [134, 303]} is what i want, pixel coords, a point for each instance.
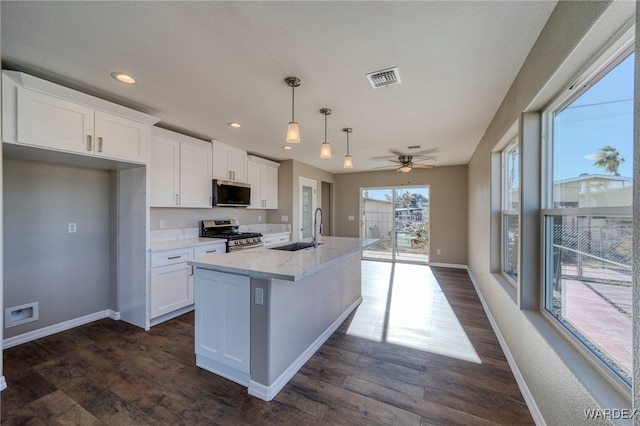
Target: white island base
{"type": "Point", "coordinates": [258, 330]}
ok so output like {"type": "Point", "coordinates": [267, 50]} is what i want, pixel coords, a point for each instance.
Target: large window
{"type": "Point", "coordinates": [511, 211]}
{"type": "Point", "coordinates": [587, 220]}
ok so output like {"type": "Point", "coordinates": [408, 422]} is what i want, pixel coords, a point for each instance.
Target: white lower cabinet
{"type": "Point", "coordinates": [171, 281]}
{"type": "Point", "coordinates": [171, 288]}
{"type": "Point", "coordinates": [222, 325]}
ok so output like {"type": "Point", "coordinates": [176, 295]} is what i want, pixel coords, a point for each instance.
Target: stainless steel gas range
{"type": "Point", "coordinates": [228, 229]}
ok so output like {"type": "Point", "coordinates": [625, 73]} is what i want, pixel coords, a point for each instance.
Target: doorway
{"type": "Point", "coordinates": [399, 218]}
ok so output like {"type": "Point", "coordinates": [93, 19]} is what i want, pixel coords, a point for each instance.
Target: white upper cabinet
{"type": "Point", "coordinates": [263, 178]}
{"type": "Point", "coordinates": [47, 121]}
{"type": "Point", "coordinates": [120, 138]}
{"type": "Point", "coordinates": [229, 162]}
{"type": "Point", "coordinates": [45, 115]}
{"type": "Point", "coordinates": [180, 170]}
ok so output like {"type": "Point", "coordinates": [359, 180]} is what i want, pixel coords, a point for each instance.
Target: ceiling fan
{"type": "Point", "coordinates": [408, 162]}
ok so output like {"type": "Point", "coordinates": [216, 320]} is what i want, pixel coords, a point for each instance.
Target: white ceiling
{"type": "Point", "coordinates": [200, 65]}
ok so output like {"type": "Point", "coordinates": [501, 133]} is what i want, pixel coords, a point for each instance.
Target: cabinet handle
{"type": "Point", "coordinates": [177, 199]}
{"type": "Point", "coordinates": [89, 143]}
{"type": "Point", "coordinates": [191, 269]}
{"type": "Point", "coordinates": [174, 257]}
{"type": "Point", "coordinates": [212, 251]}
{"type": "Point", "coordinates": [99, 144]}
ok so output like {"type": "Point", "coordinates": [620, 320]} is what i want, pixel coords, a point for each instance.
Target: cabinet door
{"type": "Point", "coordinates": [164, 172]}
{"type": "Point", "coordinates": [254, 179]}
{"type": "Point", "coordinates": [195, 175]}
{"type": "Point", "coordinates": [171, 288]}
{"type": "Point", "coordinates": [238, 164]}
{"type": "Point", "coordinates": [270, 187]}
{"type": "Point", "coordinates": [221, 161]}
{"type": "Point", "coordinates": [50, 122]}
{"type": "Point", "coordinates": [120, 138]}
{"type": "Point", "coordinates": [222, 318]}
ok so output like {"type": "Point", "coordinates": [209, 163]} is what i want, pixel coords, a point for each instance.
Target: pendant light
{"type": "Point", "coordinates": [325, 150]}
{"type": "Point", "coordinates": [348, 162]}
{"type": "Point", "coordinates": [293, 131]}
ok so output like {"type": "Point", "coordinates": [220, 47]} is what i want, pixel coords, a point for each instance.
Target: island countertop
{"type": "Point", "coordinates": [265, 262]}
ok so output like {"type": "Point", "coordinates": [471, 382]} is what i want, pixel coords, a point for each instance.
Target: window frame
{"type": "Point", "coordinates": [618, 51]}
{"type": "Point", "coordinates": [505, 211]}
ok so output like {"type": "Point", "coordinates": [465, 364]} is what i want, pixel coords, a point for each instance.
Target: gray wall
{"type": "Point", "coordinates": [560, 384]}
{"type": "Point", "coordinates": [68, 274]}
{"type": "Point", "coordinates": [448, 206]}
{"type": "Point", "coordinates": [190, 218]}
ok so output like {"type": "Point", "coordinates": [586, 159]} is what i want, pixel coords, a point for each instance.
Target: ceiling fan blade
{"type": "Point", "coordinates": [423, 166]}
{"type": "Point", "coordinates": [384, 167]}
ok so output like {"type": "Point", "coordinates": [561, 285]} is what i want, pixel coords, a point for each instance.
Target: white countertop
{"type": "Point", "coordinates": [183, 242]}
{"type": "Point", "coordinates": [285, 265]}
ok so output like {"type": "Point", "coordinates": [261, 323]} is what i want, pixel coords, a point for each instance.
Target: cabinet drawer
{"type": "Point", "coordinates": [169, 257]}
{"type": "Point", "coordinates": [211, 249]}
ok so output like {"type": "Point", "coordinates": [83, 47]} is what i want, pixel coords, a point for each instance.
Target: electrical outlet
{"type": "Point", "coordinates": [351, 217]}
{"type": "Point", "coordinates": [161, 223]}
{"type": "Point", "coordinates": [72, 228]}
{"type": "Point", "coordinates": [284, 218]}
{"type": "Point", "coordinates": [438, 251]}
{"type": "Point", "coordinates": [259, 219]}
{"type": "Point", "coordinates": [259, 296]}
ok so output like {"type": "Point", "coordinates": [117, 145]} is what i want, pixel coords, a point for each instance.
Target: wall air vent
{"type": "Point", "coordinates": [384, 78]}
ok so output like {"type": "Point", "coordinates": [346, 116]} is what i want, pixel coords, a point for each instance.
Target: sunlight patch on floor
{"type": "Point", "coordinates": [404, 305]}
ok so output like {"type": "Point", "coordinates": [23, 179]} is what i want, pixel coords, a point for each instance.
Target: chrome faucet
{"type": "Point", "coordinates": [315, 226]}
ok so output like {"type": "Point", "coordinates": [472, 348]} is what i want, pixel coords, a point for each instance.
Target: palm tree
{"type": "Point", "coordinates": [609, 159]}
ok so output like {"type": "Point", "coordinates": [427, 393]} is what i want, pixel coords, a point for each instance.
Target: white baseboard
{"type": "Point", "coordinates": [267, 393]}
{"type": "Point", "coordinates": [522, 384]}
{"type": "Point", "coordinates": [448, 265]}
{"type": "Point", "coordinates": [171, 315]}
{"type": "Point", "coordinates": [56, 328]}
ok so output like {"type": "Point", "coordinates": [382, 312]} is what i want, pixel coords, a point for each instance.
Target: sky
{"type": "Point", "coordinates": [602, 116]}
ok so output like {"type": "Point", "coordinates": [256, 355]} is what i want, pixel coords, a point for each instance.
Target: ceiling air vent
{"type": "Point", "coordinates": [384, 78]}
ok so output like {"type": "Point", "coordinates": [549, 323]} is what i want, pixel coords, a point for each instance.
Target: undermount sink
{"type": "Point", "coordinates": [294, 246]}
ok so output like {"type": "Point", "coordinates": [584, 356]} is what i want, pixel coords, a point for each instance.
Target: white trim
{"type": "Point", "coordinates": [171, 315]}
{"type": "Point", "coordinates": [448, 265]}
{"type": "Point", "coordinates": [56, 328]}
{"type": "Point", "coordinates": [267, 393]}
{"type": "Point", "coordinates": [222, 370]}
{"type": "Point", "coordinates": [3, 383]}
{"type": "Point", "coordinates": [522, 384]}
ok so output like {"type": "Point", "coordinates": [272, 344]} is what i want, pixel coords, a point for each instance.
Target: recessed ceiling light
{"type": "Point", "coordinates": [123, 78]}
{"type": "Point", "coordinates": [234, 124]}
{"type": "Point", "coordinates": [287, 147]}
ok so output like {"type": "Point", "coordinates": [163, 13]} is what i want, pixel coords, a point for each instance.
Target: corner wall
{"type": "Point", "coordinates": [557, 382]}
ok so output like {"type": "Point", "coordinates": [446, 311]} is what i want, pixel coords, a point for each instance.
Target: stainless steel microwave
{"type": "Point", "coordinates": [226, 193]}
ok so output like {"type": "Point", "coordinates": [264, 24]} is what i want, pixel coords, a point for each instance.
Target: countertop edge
{"type": "Point", "coordinates": [201, 263]}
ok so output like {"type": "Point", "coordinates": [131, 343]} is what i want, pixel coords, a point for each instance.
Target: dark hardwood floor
{"type": "Point", "coordinates": [418, 351]}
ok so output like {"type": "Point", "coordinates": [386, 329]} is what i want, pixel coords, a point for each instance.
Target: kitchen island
{"type": "Point", "coordinates": [262, 313]}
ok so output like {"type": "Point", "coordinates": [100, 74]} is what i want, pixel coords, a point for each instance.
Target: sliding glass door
{"type": "Point", "coordinates": [399, 217]}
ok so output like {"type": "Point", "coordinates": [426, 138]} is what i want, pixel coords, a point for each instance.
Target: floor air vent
{"type": "Point", "coordinates": [384, 78]}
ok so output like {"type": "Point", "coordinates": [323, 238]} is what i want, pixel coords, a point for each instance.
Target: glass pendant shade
{"type": "Point", "coordinates": [293, 130]}
{"type": "Point", "coordinates": [348, 161]}
{"type": "Point", "coordinates": [325, 150]}
{"type": "Point", "coordinates": [404, 169]}
{"type": "Point", "coordinates": [293, 133]}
